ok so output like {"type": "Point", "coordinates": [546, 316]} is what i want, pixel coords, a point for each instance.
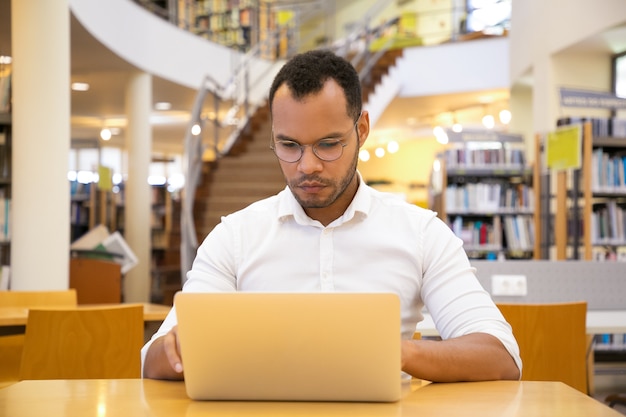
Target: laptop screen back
{"type": "Point", "coordinates": [290, 346]}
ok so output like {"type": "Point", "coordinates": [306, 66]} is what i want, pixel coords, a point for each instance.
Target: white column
{"type": "Point", "coordinates": [138, 195]}
{"type": "Point", "coordinates": [40, 215]}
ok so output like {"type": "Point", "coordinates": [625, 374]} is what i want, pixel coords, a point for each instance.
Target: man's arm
{"type": "Point", "coordinates": [473, 357]}
{"type": "Point", "coordinates": [163, 358]}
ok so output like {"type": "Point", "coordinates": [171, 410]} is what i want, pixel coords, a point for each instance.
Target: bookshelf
{"type": "Point", "coordinates": [232, 23]}
{"type": "Point", "coordinates": [597, 191]}
{"type": "Point", "coordinates": [5, 188]}
{"type": "Point", "coordinates": [486, 194]}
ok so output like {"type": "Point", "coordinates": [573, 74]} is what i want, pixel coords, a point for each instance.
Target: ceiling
{"type": "Point", "coordinates": [107, 75]}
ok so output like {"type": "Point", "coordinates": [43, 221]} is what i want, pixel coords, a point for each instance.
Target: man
{"type": "Point", "coordinates": [329, 231]}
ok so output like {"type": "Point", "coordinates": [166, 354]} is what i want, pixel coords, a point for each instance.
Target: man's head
{"type": "Point", "coordinates": [318, 127]}
{"type": "Point", "coordinates": [306, 73]}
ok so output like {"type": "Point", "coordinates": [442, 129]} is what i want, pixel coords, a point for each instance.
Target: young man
{"type": "Point", "coordinates": [329, 231]}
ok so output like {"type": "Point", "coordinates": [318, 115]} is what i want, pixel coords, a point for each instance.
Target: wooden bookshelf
{"type": "Point", "coordinates": [487, 195]}
{"type": "Point", "coordinates": [599, 195]}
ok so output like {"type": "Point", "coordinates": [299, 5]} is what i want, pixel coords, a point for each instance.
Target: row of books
{"type": "Point", "coordinates": [608, 171]}
{"type": "Point", "coordinates": [501, 158]}
{"type": "Point", "coordinates": [5, 150]}
{"type": "Point", "coordinates": [5, 216]}
{"type": "Point", "coordinates": [5, 88]}
{"type": "Point", "coordinates": [608, 223]}
{"type": "Point", "coordinates": [518, 232]}
{"type": "Point", "coordinates": [610, 342]}
{"type": "Point", "coordinates": [609, 253]}
{"type": "Point", "coordinates": [600, 127]}
{"type": "Point", "coordinates": [232, 19]}
{"type": "Point", "coordinates": [489, 197]}
{"type": "Point", "coordinates": [223, 6]}
{"type": "Point", "coordinates": [240, 37]}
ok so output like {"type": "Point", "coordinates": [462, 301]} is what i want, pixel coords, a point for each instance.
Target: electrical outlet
{"type": "Point", "coordinates": [510, 285]}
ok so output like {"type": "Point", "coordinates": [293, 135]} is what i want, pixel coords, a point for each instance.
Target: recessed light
{"type": "Point", "coordinates": [80, 86]}
{"type": "Point", "coordinates": [162, 105]}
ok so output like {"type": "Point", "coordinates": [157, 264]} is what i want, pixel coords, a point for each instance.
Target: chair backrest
{"type": "Point", "coordinates": [96, 281]}
{"type": "Point", "coordinates": [28, 299]}
{"type": "Point", "coordinates": [83, 343]}
{"type": "Point", "coordinates": [552, 341]}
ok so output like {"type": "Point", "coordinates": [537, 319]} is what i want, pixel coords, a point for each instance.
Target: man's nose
{"type": "Point", "coordinates": [309, 162]}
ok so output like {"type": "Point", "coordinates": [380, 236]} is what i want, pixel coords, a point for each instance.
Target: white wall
{"type": "Point", "coordinates": [540, 27]}
{"type": "Point", "coordinates": [455, 68]}
{"type": "Point", "coordinates": [161, 48]}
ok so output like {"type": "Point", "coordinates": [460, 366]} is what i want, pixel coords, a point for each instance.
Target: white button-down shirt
{"type": "Point", "coordinates": [380, 244]}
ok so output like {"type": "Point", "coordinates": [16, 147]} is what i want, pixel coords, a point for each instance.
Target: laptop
{"type": "Point", "coordinates": [290, 346]}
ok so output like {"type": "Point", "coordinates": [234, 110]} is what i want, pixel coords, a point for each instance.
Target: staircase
{"type": "Point", "coordinates": [249, 172]}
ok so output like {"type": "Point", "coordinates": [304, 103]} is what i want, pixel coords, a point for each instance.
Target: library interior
{"type": "Point", "coordinates": [130, 128]}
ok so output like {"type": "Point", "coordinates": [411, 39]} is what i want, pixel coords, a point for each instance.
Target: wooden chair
{"type": "Point", "coordinates": [12, 345]}
{"type": "Point", "coordinates": [552, 340]}
{"type": "Point", "coordinates": [83, 343]}
{"type": "Point", "coordinates": [96, 281]}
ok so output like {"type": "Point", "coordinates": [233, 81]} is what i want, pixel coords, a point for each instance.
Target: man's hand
{"type": "Point", "coordinates": [163, 359]}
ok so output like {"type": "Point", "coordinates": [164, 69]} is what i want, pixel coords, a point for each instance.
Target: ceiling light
{"type": "Point", "coordinates": [105, 134]}
{"type": "Point", "coordinates": [80, 86]}
{"type": "Point", "coordinates": [379, 152]}
{"type": "Point", "coordinates": [393, 147]}
{"type": "Point", "coordinates": [488, 121]}
{"type": "Point", "coordinates": [440, 135]}
{"type": "Point", "coordinates": [457, 127]}
{"type": "Point", "coordinates": [505, 116]}
{"type": "Point", "coordinates": [195, 129]}
{"type": "Point", "coordinates": [364, 155]}
{"type": "Point", "coordinates": [162, 105]}
{"type": "Point", "coordinates": [5, 59]}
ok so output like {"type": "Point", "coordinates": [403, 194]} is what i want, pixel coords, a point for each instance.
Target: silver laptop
{"type": "Point", "coordinates": [290, 346]}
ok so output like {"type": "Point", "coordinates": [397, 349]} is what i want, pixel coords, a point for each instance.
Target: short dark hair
{"type": "Point", "coordinates": [307, 72]}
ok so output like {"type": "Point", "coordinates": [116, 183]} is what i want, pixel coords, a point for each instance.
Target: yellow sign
{"type": "Point", "coordinates": [563, 148]}
{"type": "Point", "coordinates": [105, 180]}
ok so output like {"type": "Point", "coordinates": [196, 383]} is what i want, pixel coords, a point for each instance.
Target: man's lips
{"type": "Point", "coordinates": [311, 187]}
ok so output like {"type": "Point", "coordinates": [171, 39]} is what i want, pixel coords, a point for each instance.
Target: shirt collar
{"type": "Point", "coordinates": [288, 207]}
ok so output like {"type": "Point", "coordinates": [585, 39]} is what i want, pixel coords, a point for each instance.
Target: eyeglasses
{"type": "Point", "coordinates": [327, 149]}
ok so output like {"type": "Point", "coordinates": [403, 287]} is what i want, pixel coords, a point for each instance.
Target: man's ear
{"type": "Point", "coordinates": [363, 127]}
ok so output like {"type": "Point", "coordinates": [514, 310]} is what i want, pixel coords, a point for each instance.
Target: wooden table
{"type": "Point", "coordinates": [17, 316]}
{"type": "Point", "coordinates": [136, 397]}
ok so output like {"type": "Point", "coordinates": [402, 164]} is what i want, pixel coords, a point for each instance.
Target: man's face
{"type": "Point", "coordinates": [323, 188]}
